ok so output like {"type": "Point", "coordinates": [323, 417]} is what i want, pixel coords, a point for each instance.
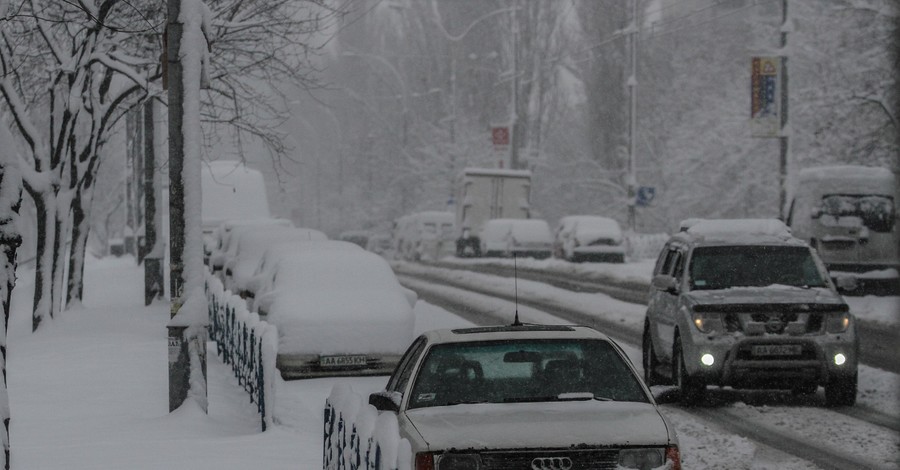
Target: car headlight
{"type": "Point", "coordinates": [642, 459]}
{"type": "Point", "coordinates": [457, 462]}
{"type": "Point", "coordinates": [837, 322]}
{"type": "Point", "coordinates": [707, 322]}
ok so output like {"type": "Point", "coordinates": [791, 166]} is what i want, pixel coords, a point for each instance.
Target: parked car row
{"type": "Point", "coordinates": [338, 308]}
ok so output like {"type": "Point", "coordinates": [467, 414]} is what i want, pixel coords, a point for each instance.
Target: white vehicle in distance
{"type": "Point", "coordinates": [425, 235]}
{"type": "Point", "coordinates": [589, 238]}
{"type": "Point", "coordinates": [525, 397]}
{"type": "Point", "coordinates": [215, 243]}
{"type": "Point", "coordinates": [260, 290]}
{"type": "Point", "coordinates": [339, 312]}
{"type": "Point", "coordinates": [516, 237]}
{"type": "Point", "coordinates": [252, 245]}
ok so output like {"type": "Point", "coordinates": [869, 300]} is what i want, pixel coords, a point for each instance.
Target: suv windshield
{"type": "Point", "coordinates": [523, 371]}
{"type": "Point", "coordinates": [721, 267]}
{"type": "Point", "coordinates": [875, 212]}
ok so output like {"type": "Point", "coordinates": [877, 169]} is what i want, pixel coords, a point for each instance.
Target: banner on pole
{"type": "Point", "coordinates": [765, 97]}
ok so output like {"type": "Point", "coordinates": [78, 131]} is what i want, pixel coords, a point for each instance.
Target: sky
{"type": "Point", "coordinates": [90, 392]}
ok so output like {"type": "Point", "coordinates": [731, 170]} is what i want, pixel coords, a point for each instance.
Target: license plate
{"type": "Point", "coordinates": [342, 361]}
{"type": "Point", "coordinates": [777, 350]}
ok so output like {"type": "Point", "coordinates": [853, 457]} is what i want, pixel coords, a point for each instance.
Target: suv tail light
{"type": "Point", "coordinates": [673, 457]}
{"type": "Point", "coordinates": [424, 461]}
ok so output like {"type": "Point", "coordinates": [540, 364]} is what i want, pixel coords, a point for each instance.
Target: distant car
{"type": "Point", "coordinates": [261, 289]}
{"type": "Point", "coordinates": [742, 303]}
{"type": "Point", "coordinates": [520, 237]}
{"type": "Point", "coordinates": [251, 246]}
{"type": "Point", "coordinates": [359, 237]}
{"type": "Point", "coordinates": [380, 244]}
{"type": "Point", "coordinates": [339, 312]}
{"type": "Point", "coordinates": [589, 238]}
{"type": "Point", "coordinates": [525, 397]}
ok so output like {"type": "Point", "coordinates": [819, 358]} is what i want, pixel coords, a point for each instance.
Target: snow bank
{"type": "Point", "coordinates": [357, 436]}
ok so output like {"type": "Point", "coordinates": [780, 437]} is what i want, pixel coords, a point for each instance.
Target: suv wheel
{"type": "Point", "coordinates": [690, 389]}
{"type": "Point", "coordinates": [841, 391]}
{"type": "Point", "coordinates": [650, 362]}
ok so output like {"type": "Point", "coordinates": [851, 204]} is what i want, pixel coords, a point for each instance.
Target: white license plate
{"type": "Point", "coordinates": [342, 361]}
{"type": "Point", "coordinates": [777, 350]}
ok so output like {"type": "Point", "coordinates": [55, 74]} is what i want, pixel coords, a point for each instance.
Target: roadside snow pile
{"type": "Point", "coordinates": [357, 436]}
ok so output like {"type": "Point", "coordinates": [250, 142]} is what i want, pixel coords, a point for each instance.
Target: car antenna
{"type": "Point", "coordinates": [516, 322]}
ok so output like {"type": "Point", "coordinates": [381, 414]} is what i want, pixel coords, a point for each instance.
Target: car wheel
{"type": "Point", "coordinates": [650, 362]}
{"type": "Point", "coordinates": [841, 391]}
{"type": "Point", "coordinates": [690, 389]}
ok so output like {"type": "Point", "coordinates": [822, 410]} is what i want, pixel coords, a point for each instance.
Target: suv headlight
{"type": "Point", "coordinates": [707, 322]}
{"type": "Point", "coordinates": [837, 322]}
{"type": "Point", "coordinates": [641, 459]}
{"type": "Point", "coordinates": [457, 462]}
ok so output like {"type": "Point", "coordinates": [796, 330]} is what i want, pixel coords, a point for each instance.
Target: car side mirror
{"type": "Point", "coordinates": [666, 283]}
{"type": "Point", "coordinates": [385, 401]}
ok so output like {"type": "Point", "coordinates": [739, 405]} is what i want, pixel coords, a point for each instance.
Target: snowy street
{"type": "Point", "coordinates": [91, 393]}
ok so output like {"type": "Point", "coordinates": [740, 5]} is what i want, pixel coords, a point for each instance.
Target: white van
{"type": "Point", "coordinates": [848, 213]}
{"type": "Point", "coordinates": [425, 235]}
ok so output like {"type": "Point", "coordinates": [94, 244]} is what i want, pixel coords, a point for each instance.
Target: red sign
{"type": "Point", "coordinates": [500, 136]}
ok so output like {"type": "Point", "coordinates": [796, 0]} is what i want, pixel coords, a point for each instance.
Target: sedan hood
{"type": "Point", "coordinates": [774, 294]}
{"type": "Point", "coordinates": [544, 425]}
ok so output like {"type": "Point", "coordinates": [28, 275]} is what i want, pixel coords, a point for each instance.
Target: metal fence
{"type": "Point", "coordinates": [357, 437]}
{"type": "Point", "coordinates": [246, 343]}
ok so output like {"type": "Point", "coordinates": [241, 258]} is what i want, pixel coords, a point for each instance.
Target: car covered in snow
{"type": "Point", "coordinates": [743, 303]}
{"type": "Point", "coordinates": [552, 397]}
{"type": "Point", "coordinates": [516, 237]}
{"type": "Point", "coordinates": [589, 238]}
{"type": "Point", "coordinates": [339, 312]}
{"type": "Point", "coordinates": [251, 246]}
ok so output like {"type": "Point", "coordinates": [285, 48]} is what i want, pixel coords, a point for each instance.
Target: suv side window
{"type": "Point", "coordinates": [679, 265]}
{"type": "Point", "coordinates": [661, 260]}
{"type": "Point", "coordinates": [669, 262]}
{"type": "Point", "coordinates": [404, 369]}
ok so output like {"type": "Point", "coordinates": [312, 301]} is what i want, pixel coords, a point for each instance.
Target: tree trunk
{"type": "Point", "coordinates": [43, 269]}
{"type": "Point", "coordinates": [10, 239]}
{"type": "Point", "coordinates": [80, 229]}
{"type": "Point", "coordinates": [61, 234]}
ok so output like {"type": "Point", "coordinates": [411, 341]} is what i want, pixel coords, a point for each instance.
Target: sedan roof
{"type": "Point", "coordinates": [512, 332]}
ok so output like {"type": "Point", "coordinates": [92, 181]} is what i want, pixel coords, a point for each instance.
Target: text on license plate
{"type": "Point", "coordinates": [776, 350]}
{"type": "Point", "coordinates": [342, 361]}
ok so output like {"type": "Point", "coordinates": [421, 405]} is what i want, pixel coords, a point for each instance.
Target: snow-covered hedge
{"type": "Point", "coordinates": [245, 342]}
{"type": "Point", "coordinates": [358, 437]}
{"type": "Point", "coordinates": [640, 246]}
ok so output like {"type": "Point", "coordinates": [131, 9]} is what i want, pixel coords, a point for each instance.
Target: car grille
{"type": "Point", "coordinates": [594, 459]}
{"type": "Point", "coordinates": [774, 322]}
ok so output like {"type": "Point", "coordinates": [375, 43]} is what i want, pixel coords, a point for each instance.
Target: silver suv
{"type": "Point", "coordinates": [742, 303]}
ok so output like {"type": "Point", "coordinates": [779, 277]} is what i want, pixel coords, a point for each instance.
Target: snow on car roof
{"type": "Point", "coordinates": [510, 332]}
{"type": "Point", "coordinates": [496, 172]}
{"type": "Point", "coordinates": [742, 230]}
{"type": "Point", "coordinates": [522, 229]}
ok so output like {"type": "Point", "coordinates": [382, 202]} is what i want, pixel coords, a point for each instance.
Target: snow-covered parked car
{"type": "Point", "coordinates": [215, 242]}
{"type": "Point", "coordinates": [742, 303]}
{"type": "Point", "coordinates": [251, 246]}
{"type": "Point", "coordinates": [339, 312]}
{"type": "Point", "coordinates": [525, 397]}
{"type": "Point", "coordinates": [589, 238]}
{"type": "Point", "coordinates": [519, 237]}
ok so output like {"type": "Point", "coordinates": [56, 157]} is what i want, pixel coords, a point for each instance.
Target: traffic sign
{"type": "Point", "coordinates": [500, 136]}
{"type": "Point", "coordinates": [644, 196]}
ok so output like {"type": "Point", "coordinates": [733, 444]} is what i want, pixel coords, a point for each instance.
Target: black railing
{"type": "Point", "coordinates": [357, 437]}
{"type": "Point", "coordinates": [246, 343]}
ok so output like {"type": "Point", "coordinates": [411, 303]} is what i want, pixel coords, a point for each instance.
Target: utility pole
{"type": "Point", "coordinates": [632, 130]}
{"type": "Point", "coordinates": [784, 147]}
{"type": "Point", "coordinates": [514, 118]}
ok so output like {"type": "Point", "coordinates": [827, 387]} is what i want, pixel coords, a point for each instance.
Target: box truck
{"type": "Point", "coordinates": [488, 193]}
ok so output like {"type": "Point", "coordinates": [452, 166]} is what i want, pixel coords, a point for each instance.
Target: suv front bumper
{"type": "Point", "coordinates": [748, 361]}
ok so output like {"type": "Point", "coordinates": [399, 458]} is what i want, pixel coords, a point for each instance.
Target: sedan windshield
{"type": "Point", "coordinates": [524, 371]}
{"type": "Point", "coordinates": [721, 267]}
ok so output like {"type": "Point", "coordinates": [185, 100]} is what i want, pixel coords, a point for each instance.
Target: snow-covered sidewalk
{"type": "Point", "coordinates": [90, 391]}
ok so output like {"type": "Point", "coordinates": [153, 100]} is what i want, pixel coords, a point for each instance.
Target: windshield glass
{"type": "Point", "coordinates": [523, 370]}
{"type": "Point", "coordinates": [721, 267]}
{"type": "Point", "coordinates": [875, 212]}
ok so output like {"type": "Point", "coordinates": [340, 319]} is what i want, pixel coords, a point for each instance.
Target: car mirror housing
{"type": "Point", "coordinates": [666, 283]}
{"type": "Point", "coordinates": [385, 401]}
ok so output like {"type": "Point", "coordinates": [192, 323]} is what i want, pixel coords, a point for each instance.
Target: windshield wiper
{"type": "Point", "coordinates": [568, 396]}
